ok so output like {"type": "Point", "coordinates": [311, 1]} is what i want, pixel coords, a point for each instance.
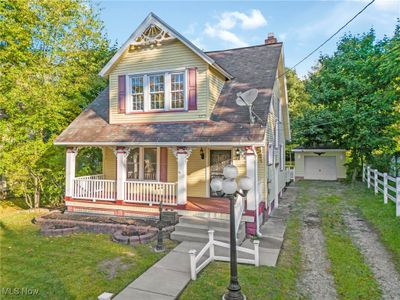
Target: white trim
{"type": "Point", "coordinates": [319, 150]}
{"type": "Point", "coordinates": [204, 144]}
{"type": "Point", "coordinates": [153, 19]}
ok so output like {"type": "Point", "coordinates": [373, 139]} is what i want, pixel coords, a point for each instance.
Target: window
{"type": "Point", "coordinates": [270, 154]}
{"type": "Point", "coordinates": [177, 91]}
{"type": "Point", "coordinates": [150, 163]}
{"type": "Point", "coordinates": [276, 133]}
{"type": "Point", "coordinates": [133, 164]}
{"type": "Point", "coordinates": [162, 91]}
{"type": "Point", "coordinates": [137, 93]}
{"type": "Point", "coordinates": [142, 164]}
{"type": "Point", "coordinates": [157, 93]}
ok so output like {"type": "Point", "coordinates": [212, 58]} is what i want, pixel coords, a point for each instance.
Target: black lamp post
{"type": "Point", "coordinates": [229, 187]}
{"type": "Point", "coordinates": [160, 243]}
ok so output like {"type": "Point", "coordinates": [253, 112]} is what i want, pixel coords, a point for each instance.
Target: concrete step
{"type": "Point", "coordinates": [204, 221]}
{"type": "Point", "coordinates": [195, 229]}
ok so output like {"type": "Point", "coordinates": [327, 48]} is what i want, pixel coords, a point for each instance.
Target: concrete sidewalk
{"type": "Point", "coordinates": [167, 278]}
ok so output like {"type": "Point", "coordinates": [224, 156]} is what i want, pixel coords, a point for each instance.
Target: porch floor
{"type": "Point", "coordinates": [215, 205]}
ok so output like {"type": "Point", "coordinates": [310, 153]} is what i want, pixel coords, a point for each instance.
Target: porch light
{"type": "Point", "coordinates": [201, 153]}
{"type": "Point", "coordinates": [237, 153]}
{"type": "Point", "coordinates": [228, 187]}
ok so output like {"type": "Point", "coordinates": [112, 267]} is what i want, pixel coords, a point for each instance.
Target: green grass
{"type": "Point", "coordinates": [257, 283]}
{"type": "Point", "coordinates": [65, 267]}
{"type": "Point", "coordinates": [353, 278]}
{"type": "Point", "coordinates": [381, 216]}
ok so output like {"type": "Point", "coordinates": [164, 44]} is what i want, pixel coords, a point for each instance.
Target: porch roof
{"type": "Point", "coordinates": [253, 67]}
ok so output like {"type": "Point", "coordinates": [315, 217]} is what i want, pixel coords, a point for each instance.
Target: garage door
{"type": "Point", "coordinates": [320, 168]}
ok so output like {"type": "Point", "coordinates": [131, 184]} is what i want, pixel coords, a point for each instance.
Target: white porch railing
{"type": "Point", "coordinates": [96, 176]}
{"type": "Point", "coordinates": [210, 247]}
{"type": "Point", "coordinates": [150, 192]}
{"type": "Point", "coordinates": [382, 182]}
{"type": "Point", "coordinates": [239, 208]}
{"type": "Point", "coordinates": [86, 187]}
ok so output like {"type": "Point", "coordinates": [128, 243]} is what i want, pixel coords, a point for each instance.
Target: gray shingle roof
{"type": "Point", "coordinates": [253, 67]}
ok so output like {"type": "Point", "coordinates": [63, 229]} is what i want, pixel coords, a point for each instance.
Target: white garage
{"type": "Point", "coordinates": [320, 164]}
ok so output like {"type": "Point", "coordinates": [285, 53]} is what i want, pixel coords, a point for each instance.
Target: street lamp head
{"type": "Point", "coordinates": [230, 171]}
{"type": "Point", "coordinates": [245, 183]}
{"type": "Point", "coordinates": [229, 186]}
{"type": "Point", "coordinates": [216, 184]}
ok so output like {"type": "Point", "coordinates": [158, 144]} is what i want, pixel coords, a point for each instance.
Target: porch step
{"type": "Point", "coordinates": [195, 229]}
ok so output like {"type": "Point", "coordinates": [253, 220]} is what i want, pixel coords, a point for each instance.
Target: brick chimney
{"type": "Point", "coordinates": [271, 39]}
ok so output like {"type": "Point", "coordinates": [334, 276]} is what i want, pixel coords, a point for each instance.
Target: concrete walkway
{"type": "Point", "coordinates": [167, 278]}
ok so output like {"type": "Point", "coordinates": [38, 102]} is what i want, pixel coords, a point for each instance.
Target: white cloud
{"type": "Point", "coordinates": [253, 20]}
{"type": "Point", "coordinates": [225, 35]}
{"type": "Point", "coordinates": [387, 5]}
{"type": "Point", "coordinates": [229, 20]}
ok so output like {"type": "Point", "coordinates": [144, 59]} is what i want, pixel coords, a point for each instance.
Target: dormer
{"type": "Point", "coordinates": [158, 75]}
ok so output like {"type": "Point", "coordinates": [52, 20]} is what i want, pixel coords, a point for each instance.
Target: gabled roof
{"type": "Point", "coordinates": [253, 67]}
{"type": "Point", "coordinates": [155, 20]}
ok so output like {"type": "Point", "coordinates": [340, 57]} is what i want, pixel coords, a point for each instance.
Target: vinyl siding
{"type": "Point", "coordinates": [216, 83]}
{"type": "Point", "coordinates": [340, 167]}
{"type": "Point", "coordinates": [170, 56]}
{"type": "Point", "coordinates": [109, 164]}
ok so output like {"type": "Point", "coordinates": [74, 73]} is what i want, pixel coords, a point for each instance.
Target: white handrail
{"type": "Point", "coordinates": [382, 182]}
{"type": "Point", "coordinates": [96, 176]}
{"type": "Point", "coordinates": [210, 247]}
{"type": "Point", "coordinates": [94, 189]}
{"type": "Point", "coordinates": [150, 192]}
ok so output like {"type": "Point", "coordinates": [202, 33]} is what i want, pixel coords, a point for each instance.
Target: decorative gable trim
{"type": "Point", "coordinates": [166, 32]}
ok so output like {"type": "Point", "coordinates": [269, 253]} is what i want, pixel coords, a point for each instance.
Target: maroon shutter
{"type": "Point", "coordinates": [163, 164]}
{"type": "Point", "coordinates": [192, 93]}
{"type": "Point", "coordinates": [121, 93]}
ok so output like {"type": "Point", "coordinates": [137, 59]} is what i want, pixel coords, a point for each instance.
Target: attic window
{"type": "Point", "coordinates": [157, 92]}
{"type": "Point", "coordinates": [152, 35]}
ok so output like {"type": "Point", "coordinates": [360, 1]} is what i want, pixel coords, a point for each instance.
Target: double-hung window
{"type": "Point", "coordinates": [142, 164]}
{"type": "Point", "coordinates": [137, 93]}
{"type": "Point", "coordinates": [157, 92]}
{"type": "Point", "coordinates": [177, 91]}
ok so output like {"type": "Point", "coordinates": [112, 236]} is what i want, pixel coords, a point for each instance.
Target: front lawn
{"type": "Point", "coordinates": [80, 266]}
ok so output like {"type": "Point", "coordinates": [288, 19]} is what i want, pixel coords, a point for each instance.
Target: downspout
{"type": "Point", "coordinates": [258, 233]}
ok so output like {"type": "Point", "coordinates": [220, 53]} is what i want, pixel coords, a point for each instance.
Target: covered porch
{"type": "Point", "coordinates": [136, 179]}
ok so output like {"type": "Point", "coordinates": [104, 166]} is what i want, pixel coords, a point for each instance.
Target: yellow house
{"type": "Point", "coordinates": [170, 121]}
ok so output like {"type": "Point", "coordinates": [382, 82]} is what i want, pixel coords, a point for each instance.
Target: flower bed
{"type": "Point", "coordinates": [54, 230]}
{"type": "Point", "coordinates": [133, 235]}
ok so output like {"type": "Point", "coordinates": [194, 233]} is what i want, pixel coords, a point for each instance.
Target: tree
{"type": "Point", "coordinates": [50, 54]}
{"type": "Point", "coordinates": [354, 95]}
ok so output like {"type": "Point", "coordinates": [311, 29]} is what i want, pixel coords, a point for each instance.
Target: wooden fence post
{"type": "Point", "coordinates": [192, 254]}
{"type": "Point", "coordinates": [385, 188]}
{"type": "Point", "coordinates": [363, 173]}
{"type": "Point", "coordinates": [376, 181]}
{"type": "Point", "coordinates": [368, 177]}
{"type": "Point", "coordinates": [256, 253]}
{"type": "Point", "coordinates": [211, 241]}
{"type": "Point", "coordinates": [398, 196]}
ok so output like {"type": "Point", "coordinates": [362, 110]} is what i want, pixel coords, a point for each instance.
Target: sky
{"type": "Point", "coordinates": [215, 25]}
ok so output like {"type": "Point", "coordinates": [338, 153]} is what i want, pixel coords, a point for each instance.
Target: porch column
{"type": "Point", "coordinates": [70, 165]}
{"type": "Point", "coordinates": [251, 171]}
{"type": "Point", "coordinates": [122, 154]}
{"type": "Point", "coordinates": [182, 154]}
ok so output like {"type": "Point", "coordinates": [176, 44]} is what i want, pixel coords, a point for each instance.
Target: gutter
{"type": "Point", "coordinates": [234, 144]}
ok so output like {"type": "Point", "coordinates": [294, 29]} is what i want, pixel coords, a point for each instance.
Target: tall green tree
{"type": "Point", "coordinates": [355, 97]}
{"type": "Point", "coordinates": [50, 54]}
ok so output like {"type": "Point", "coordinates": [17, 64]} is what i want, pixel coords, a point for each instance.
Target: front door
{"type": "Point", "coordinates": [218, 160]}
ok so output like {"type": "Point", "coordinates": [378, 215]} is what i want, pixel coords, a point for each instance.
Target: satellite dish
{"type": "Point", "coordinates": [246, 99]}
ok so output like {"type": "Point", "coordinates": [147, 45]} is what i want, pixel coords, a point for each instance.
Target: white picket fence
{"type": "Point", "coordinates": [388, 185]}
{"type": "Point", "coordinates": [210, 247]}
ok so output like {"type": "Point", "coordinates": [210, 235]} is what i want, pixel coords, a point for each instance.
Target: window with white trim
{"type": "Point", "coordinates": [270, 154]}
{"type": "Point", "coordinates": [177, 91]}
{"type": "Point", "coordinates": [157, 91]}
{"type": "Point", "coordinates": [137, 93]}
{"type": "Point", "coordinates": [276, 133]}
